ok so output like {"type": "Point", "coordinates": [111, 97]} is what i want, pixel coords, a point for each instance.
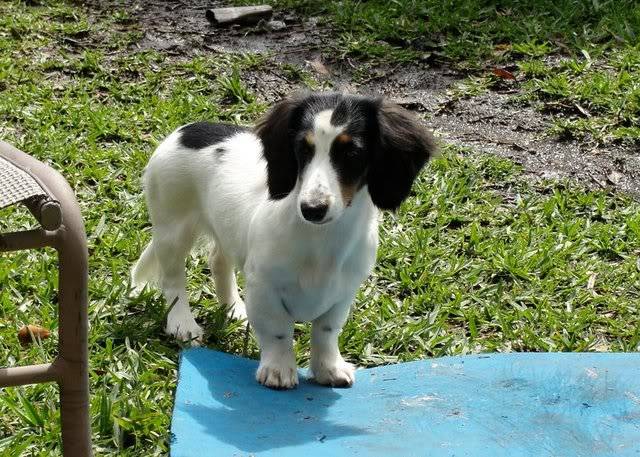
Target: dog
{"type": "Point", "coordinates": [294, 204]}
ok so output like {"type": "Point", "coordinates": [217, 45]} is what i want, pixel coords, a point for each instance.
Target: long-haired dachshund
{"type": "Point", "coordinates": [293, 203]}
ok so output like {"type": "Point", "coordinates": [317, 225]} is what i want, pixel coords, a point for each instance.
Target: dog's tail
{"type": "Point", "coordinates": [147, 268]}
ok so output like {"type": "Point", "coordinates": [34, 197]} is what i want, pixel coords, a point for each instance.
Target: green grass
{"type": "Point", "coordinates": [477, 259]}
{"type": "Point", "coordinates": [593, 100]}
{"type": "Point", "coordinates": [469, 29]}
{"type": "Point", "coordinates": [594, 90]}
{"type": "Point", "coordinates": [597, 99]}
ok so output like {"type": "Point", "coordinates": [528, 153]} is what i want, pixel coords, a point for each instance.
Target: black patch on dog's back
{"type": "Point", "coordinates": [202, 134]}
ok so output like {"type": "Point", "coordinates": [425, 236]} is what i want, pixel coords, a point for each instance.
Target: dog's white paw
{"type": "Point", "coordinates": [238, 310]}
{"type": "Point", "coordinates": [184, 328]}
{"type": "Point", "coordinates": [277, 375]}
{"type": "Point", "coordinates": [336, 373]}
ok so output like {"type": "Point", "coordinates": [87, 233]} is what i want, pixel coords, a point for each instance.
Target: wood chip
{"type": "Point", "coordinates": [614, 178]}
{"type": "Point", "coordinates": [582, 110]}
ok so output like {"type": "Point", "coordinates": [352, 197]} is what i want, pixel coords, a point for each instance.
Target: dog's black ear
{"type": "Point", "coordinates": [275, 130]}
{"type": "Point", "coordinates": [403, 147]}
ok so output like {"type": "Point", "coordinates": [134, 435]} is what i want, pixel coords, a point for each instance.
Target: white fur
{"type": "Point", "coordinates": [294, 270]}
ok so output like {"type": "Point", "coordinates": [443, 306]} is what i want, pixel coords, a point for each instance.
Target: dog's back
{"type": "Point", "coordinates": [203, 179]}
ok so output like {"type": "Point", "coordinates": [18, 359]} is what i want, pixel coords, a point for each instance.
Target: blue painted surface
{"type": "Point", "coordinates": [551, 404]}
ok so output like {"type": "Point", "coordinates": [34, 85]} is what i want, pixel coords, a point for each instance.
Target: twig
{"type": "Point", "coordinates": [596, 180]}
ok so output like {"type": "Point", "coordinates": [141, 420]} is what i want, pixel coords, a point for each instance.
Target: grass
{"type": "Point", "coordinates": [590, 83]}
{"type": "Point", "coordinates": [591, 100]}
{"type": "Point", "coordinates": [477, 260]}
{"type": "Point", "coordinates": [599, 99]}
{"type": "Point", "coordinates": [468, 30]}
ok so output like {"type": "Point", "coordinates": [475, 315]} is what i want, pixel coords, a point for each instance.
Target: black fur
{"type": "Point", "coordinates": [340, 114]}
{"type": "Point", "coordinates": [202, 134]}
{"type": "Point", "coordinates": [282, 133]}
{"type": "Point", "coordinates": [404, 146]}
{"type": "Point", "coordinates": [352, 160]}
{"type": "Point", "coordinates": [276, 130]}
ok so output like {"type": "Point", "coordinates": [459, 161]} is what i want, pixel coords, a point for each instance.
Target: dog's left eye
{"type": "Point", "coordinates": [306, 149]}
{"type": "Point", "coordinates": [353, 153]}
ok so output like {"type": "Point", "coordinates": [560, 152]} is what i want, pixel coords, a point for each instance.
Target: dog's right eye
{"type": "Point", "coordinates": [305, 151]}
{"type": "Point", "coordinates": [308, 148]}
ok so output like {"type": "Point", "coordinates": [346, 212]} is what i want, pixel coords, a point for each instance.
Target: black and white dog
{"type": "Point", "coordinates": [292, 203]}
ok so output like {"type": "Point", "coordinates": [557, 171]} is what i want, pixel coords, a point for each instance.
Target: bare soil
{"type": "Point", "coordinates": [489, 123]}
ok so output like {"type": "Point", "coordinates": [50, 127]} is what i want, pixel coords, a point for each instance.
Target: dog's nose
{"type": "Point", "coordinates": [314, 211]}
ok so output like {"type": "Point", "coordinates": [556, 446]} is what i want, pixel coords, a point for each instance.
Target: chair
{"type": "Point", "coordinates": [49, 198]}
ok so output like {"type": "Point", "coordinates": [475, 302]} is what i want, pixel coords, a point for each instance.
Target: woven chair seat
{"type": "Point", "coordinates": [19, 185]}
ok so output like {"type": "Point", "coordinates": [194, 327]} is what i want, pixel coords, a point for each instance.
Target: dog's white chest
{"type": "Point", "coordinates": [309, 285]}
{"type": "Point", "coordinates": [311, 291]}
{"type": "Point", "coordinates": [308, 270]}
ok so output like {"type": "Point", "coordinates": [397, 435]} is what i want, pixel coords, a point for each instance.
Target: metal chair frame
{"type": "Point", "coordinates": [61, 228]}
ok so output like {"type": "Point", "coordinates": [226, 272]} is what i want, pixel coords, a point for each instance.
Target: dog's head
{"type": "Point", "coordinates": [336, 145]}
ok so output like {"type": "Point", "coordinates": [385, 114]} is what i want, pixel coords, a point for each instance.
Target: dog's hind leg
{"type": "Point", "coordinates": [171, 243]}
{"type": "Point", "coordinates": [226, 286]}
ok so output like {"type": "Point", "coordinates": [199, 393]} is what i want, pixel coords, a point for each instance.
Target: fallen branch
{"type": "Point", "coordinates": [245, 15]}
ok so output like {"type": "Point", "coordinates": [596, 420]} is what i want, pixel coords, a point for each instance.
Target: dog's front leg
{"type": "Point", "coordinates": [327, 364]}
{"type": "Point", "coordinates": [273, 327]}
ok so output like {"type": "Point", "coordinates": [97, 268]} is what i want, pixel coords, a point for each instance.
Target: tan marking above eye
{"type": "Point", "coordinates": [344, 138]}
{"type": "Point", "coordinates": [348, 191]}
{"type": "Point", "coordinates": [310, 139]}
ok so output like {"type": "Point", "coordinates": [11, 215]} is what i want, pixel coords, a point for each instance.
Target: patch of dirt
{"type": "Point", "coordinates": [180, 28]}
{"type": "Point", "coordinates": [494, 123]}
{"type": "Point", "coordinates": [491, 122]}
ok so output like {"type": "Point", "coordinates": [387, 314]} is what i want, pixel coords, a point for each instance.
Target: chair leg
{"type": "Point", "coordinates": [74, 411]}
{"type": "Point", "coordinates": [73, 327]}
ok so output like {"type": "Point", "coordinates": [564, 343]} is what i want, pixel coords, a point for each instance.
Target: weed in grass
{"type": "Point", "coordinates": [532, 48]}
{"type": "Point", "coordinates": [299, 75]}
{"type": "Point", "coordinates": [234, 90]}
{"type": "Point", "coordinates": [469, 87]}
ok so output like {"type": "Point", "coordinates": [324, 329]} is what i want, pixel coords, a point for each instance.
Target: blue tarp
{"type": "Point", "coordinates": [518, 404]}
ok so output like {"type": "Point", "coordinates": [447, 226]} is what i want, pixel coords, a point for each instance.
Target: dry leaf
{"type": "Point", "coordinates": [24, 335]}
{"type": "Point", "coordinates": [591, 282]}
{"type": "Point", "coordinates": [318, 66]}
{"type": "Point", "coordinates": [504, 74]}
